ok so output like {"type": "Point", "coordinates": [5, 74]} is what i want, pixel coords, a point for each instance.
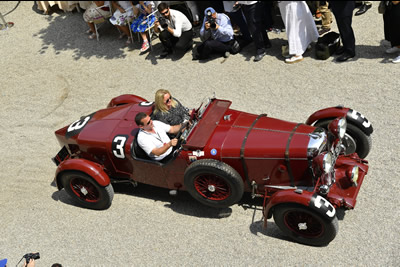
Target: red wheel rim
{"type": "Point", "coordinates": [85, 190]}
{"type": "Point", "coordinates": [303, 224]}
{"type": "Point", "coordinates": [212, 187]}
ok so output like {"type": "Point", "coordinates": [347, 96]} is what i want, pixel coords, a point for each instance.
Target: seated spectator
{"type": "Point", "coordinates": [98, 9]}
{"type": "Point", "coordinates": [391, 19]}
{"type": "Point", "coordinates": [175, 30]}
{"type": "Point", "coordinates": [153, 138]}
{"type": "Point", "coordinates": [123, 13]}
{"type": "Point", "coordinates": [143, 21]}
{"type": "Point", "coordinates": [217, 33]}
{"type": "Point", "coordinates": [300, 28]}
{"type": "Point", "coordinates": [168, 109]}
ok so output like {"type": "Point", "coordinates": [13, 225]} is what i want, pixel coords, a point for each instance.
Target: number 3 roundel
{"type": "Point", "coordinates": [77, 126]}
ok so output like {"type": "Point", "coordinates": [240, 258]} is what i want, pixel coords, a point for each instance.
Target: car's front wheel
{"type": "Point", "coordinates": [86, 191]}
{"type": "Point", "coordinates": [305, 225]}
{"type": "Point", "coordinates": [214, 183]}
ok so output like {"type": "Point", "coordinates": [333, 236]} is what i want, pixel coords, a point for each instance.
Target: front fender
{"type": "Point", "coordinates": [90, 168]}
{"type": "Point", "coordinates": [300, 197]}
{"type": "Point", "coordinates": [351, 115]}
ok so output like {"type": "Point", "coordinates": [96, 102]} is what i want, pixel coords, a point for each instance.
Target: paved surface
{"type": "Point", "coordinates": [51, 74]}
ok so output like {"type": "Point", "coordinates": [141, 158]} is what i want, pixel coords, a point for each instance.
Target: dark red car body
{"type": "Point", "coordinates": [277, 160]}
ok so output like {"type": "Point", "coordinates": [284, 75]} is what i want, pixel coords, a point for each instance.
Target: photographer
{"type": "Point", "coordinates": [217, 35]}
{"type": "Point", "coordinates": [176, 30]}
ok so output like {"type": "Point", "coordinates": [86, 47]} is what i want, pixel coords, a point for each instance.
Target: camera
{"type": "Point", "coordinates": [30, 256]}
{"type": "Point", "coordinates": [211, 20]}
{"type": "Point", "coordinates": [163, 22]}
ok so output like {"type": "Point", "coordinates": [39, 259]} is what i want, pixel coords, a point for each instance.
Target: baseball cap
{"type": "Point", "coordinates": [209, 9]}
{"type": "Point", "coordinates": [3, 262]}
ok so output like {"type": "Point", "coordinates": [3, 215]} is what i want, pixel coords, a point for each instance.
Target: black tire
{"type": "Point", "coordinates": [355, 139]}
{"type": "Point", "coordinates": [86, 191]}
{"type": "Point", "coordinates": [213, 183]}
{"type": "Point", "coordinates": [316, 230]}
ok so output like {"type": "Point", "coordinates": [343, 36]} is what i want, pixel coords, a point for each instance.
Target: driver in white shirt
{"type": "Point", "coordinates": [153, 138]}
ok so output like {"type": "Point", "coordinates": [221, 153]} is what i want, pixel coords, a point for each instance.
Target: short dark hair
{"type": "Point", "coordinates": [162, 6]}
{"type": "Point", "coordinates": [139, 117]}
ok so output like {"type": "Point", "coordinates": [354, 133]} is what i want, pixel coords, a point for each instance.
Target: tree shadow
{"type": "Point", "coordinates": [66, 32]}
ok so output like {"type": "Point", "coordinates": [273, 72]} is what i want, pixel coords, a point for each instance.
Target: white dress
{"type": "Point", "coordinates": [300, 26]}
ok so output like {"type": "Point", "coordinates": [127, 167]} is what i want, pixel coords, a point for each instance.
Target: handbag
{"type": "Point", "coordinates": [381, 7]}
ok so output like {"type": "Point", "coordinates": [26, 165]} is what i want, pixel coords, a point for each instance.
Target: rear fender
{"type": "Point", "coordinates": [90, 168]}
{"type": "Point", "coordinates": [352, 116]}
{"type": "Point", "coordinates": [125, 99]}
{"type": "Point", "coordinates": [301, 197]}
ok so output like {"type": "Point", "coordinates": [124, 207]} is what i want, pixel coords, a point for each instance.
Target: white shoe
{"type": "Point", "coordinates": [392, 50]}
{"type": "Point", "coordinates": [396, 59]}
{"type": "Point", "coordinates": [294, 59]}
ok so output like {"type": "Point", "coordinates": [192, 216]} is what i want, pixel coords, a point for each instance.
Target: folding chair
{"type": "Point", "coordinates": [101, 19]}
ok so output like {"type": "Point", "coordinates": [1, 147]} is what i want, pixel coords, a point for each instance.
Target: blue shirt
{"type": "Point", "coordinates": [224, 33]}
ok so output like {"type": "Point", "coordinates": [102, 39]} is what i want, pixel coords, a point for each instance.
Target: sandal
{"type": "Point", "coordinates": [92, 36]}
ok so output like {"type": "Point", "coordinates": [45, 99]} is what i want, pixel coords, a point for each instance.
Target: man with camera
{"type": "Point", "coordinates": [176, 30]}
{"type": "Point", "coordinates": [217, 35]}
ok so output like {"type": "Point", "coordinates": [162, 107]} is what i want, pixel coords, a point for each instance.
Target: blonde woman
{"type": "Point", "coordinates": [168, 109]}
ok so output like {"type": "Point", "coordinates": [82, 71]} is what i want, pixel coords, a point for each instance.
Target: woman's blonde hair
{"type": "Point", "coordinates": [159, 101]}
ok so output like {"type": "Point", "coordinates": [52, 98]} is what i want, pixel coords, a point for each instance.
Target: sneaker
{"type": "Point", "coordinates": [392, 50]}
{"type": "Point", "coordinates": [145, 46]}
{"type": "Point", "coordinates": [294, 59]}
{"type": "Point", "coordinates": [396, 59]}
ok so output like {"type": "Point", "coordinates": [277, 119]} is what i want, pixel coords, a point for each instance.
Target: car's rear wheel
{"type": "Point", "coordinates": [305, 225]}
{"type": "Point", "coordinates": [214, 183]}
{"type": "Point", "coordinates": [86, 191]}
{"type": "Point", "coordinates": [355, 140]}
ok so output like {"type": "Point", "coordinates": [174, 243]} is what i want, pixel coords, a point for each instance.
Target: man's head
{"type": "Point", "coordinates": [163, 8]}
{"type": "Point", "coordinates": [144, 121]}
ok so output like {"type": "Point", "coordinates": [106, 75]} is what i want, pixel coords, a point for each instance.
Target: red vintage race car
{"type": "Point", "coordinates": [304, 171]}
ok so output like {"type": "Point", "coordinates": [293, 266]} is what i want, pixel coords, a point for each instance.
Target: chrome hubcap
{"type": "Point", "coordinates": [302, 226]}
{"type": "Point", "coordinates": [84, 191]}
{"type": "Point", "coordinates": [350, 144]}
{"type": "Point", "coordinates": [211, 188]}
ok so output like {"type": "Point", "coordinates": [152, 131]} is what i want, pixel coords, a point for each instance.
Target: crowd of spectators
{"type": "Point", "coordinates": [228, 26]}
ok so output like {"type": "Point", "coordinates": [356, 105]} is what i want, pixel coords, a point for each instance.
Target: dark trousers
{"type": "Point", "coordinates": [213, 46]}
{"type": "Point", "coordinates": [391, 19]}
{"type": "Point", "coordinates": [255, 16]}
{"type": "Point", "coordinates": [343, 11]}
{"type": "Point", "coordinates": [238, 19]}
{"type": "Point", "coordinates": [182, 43]}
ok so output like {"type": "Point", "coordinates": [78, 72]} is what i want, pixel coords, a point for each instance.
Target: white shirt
{"type": "Point", "coordinates": [149, 141]}
{"type": "Point", "coordinates": [179, 22]}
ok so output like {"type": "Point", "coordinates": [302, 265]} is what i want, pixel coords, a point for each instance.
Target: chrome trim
{"type": "Point", "coordinates": [264, 158]}
{"type": "Point", "coordinates": [317, 143]}
{"type": "Point", "coordinates": [283, 187]}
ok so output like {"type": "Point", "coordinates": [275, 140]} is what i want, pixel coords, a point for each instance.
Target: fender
{"type": "Point", "coordinates": [352, 116]}
{"type": "Point", "coordinates": [90, 168]}
{"type": "Point", "coordinates": [301, 197]}
{"type": "Point", "coordinates": [125, 99]}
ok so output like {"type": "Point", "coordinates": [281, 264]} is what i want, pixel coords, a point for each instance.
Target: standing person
{"type": "Point", "coordinates": [391, 19]}
{"type": "Point", "coordinates": [168, 109]}
{"type": "Point", "coordinates": [343, 12]}
{"type": "Point", "coordinates": [143, 21]}
{"type": "Point", "coordinates": [217, 33]}
{"type": "Point", "coordinates": [255, 13]}
{"type": "Point", "coordinates": [123, 13]}
{"type": "Point", "coordinates": [96, 10]}
{"type": "Point", "coordinates": [175, 30]}
{"type": "Point", "coordinates": [300, 28]}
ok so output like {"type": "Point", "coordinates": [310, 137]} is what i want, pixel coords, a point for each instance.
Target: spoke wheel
{"type": "Point", "coordinates": [212, 187]}
{"type": "Point", "coordinates": [85, 191]}
{"type": "Point", "coordinates": [305, 225]}
{"type": "Point", "coordinates": [213, 183]}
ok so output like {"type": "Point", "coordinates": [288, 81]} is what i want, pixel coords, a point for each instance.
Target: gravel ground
{"type": "Point", "coordinates": [51, 74]}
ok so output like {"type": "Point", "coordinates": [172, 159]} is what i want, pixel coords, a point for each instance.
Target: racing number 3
{"type": "Point", "coordinates": [118, 145]}
{"type": "Point", "coordinates": [322, 203]}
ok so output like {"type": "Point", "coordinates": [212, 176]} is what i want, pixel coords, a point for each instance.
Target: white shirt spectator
{"type": "Point", "coordinates": [179, 22]}
{"type": "Point", "coordinates": [148, 141]}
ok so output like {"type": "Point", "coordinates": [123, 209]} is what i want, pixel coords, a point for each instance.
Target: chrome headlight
{"type": "Point", "coordinates": [327, 162]}
{"type": "Point", "coordinates": [338, 127]}
{"type": "Point", "coordinates": [354, 175]}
